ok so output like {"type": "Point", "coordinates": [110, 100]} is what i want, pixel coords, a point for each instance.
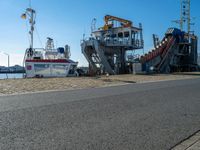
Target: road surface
{"type": "Point", "coordinates": [150, 116]}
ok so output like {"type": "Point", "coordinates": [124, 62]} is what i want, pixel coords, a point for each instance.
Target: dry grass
{"type": "Point", "coordinates": [17, 86]}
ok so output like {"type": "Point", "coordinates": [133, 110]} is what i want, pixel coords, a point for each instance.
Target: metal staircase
{"type": "Point", "coordinates": [94, 52]}
{"type": "Point", "coordinates": [100, 49]}
{"type": "Point", "coordinates": [87, 52]}
{"type": "Point", "coordinates": [166, 57]}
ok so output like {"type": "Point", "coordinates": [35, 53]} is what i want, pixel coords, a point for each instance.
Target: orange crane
{"type": "Point", "coordinates": [125, 23]}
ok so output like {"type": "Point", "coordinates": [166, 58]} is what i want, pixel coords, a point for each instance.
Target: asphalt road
{"type": "Point", "coordinates": [151, 116]}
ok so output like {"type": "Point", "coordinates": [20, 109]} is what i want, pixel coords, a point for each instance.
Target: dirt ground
{"type": "Point", "coordinates": [18, 86]}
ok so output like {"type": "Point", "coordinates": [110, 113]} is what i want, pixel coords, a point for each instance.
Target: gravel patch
{"type": "Point", "coordinates": [19, 86]}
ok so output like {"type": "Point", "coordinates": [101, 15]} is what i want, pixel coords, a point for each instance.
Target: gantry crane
{"type": "Point", "coordinates": [108, 18]}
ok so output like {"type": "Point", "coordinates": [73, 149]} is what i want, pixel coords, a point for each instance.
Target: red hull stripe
{"type": "Point", "coordinates": [49, 61]}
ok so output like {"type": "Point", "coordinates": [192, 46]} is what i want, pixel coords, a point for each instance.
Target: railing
{"type": "Point", "coordinates": [154, 53]}
{"type": "Point", "coordinates": [135, 43]}
{"type": "Point", "coordinates": [123, 42]}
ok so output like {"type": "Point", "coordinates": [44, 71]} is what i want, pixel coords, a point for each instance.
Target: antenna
{"type": "Point", "coordinates": [93, 25]}
{"type": "Point", "coordinates": [84, 34]}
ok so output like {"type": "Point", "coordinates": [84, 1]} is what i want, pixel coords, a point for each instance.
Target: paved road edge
{"type": "Point", "coordinates": [190, 143]}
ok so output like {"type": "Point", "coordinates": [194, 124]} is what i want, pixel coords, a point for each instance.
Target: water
{"type": "Point", "coordinates": [11, 76]}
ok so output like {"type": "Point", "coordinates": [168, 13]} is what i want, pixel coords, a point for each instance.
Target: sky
{"type": "Point", "coordinates": [67, 20]}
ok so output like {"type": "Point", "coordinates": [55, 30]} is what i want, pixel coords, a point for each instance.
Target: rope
{"type": "Point", "coordinates": [28, 33]}
{"type": "Point", "coordinates": [38, 37]}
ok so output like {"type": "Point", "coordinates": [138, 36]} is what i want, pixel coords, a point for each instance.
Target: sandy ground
{"type": "Point", "coordinates": [18, 86]}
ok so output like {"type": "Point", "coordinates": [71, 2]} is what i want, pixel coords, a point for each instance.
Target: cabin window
{"type": "Point", "coordinates": [42, 69]}
{"type": "Point", "coordinates": [120, 35]}
{"type": "Point", "coordinates": [58, 69]}
{"type": "Point", "coordinates": [126, 34]}
{"type": "Point", "coordinates": [114, 35]}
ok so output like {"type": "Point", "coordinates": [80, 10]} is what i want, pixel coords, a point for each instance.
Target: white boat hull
{"type": "Point", "coordinates": [50, 68]}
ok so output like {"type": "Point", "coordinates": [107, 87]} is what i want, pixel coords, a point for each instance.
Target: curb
{"type": "Point", "coordinates": [190, 143]}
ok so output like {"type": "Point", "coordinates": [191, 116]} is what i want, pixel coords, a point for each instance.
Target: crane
{"type": "Point", "coordinates": [125, 23]}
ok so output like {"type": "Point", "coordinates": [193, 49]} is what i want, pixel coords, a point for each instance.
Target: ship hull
{"type": "Point", "coordinates": [50, 68]}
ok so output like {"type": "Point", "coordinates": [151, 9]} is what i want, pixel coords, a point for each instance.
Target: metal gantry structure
{"type": "Point", "coordinates": [185, 15]}
{"type": "Point", "coordinates": [177, 52]}
{"type": "Point", "coordinates": [178, 49]}
{"type": "Point", "coordinates": [106, 49]}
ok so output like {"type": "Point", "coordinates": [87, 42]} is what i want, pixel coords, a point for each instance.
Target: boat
{"type": "Point", "coordinates": [48, 61]}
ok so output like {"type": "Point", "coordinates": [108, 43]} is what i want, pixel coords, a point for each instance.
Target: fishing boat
{"type": "Point", "coordinates": [48, 61]}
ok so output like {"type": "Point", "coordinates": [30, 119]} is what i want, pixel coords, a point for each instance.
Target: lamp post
{"type": "Point", "coordinates": [8, 58]}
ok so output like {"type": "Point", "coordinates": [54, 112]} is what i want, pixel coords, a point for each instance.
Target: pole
{"type": "Point", "coordinates": [189, 19]}
{"type": "Point", "coordinates": [181, 21]}
{"type": "Point", "coordinates": [32, 28]}
{"type": "Point", "coordinates": [8, 60]}
{"type": "Point", "coordinates": [8, 56]}
{"type": "Point", "coordinates": [31, 13]}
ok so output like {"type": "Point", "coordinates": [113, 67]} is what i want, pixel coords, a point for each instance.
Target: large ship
{"type": "Point", "coordinates": [48, 61]}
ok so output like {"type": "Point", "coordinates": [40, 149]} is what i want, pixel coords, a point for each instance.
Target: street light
{"type": "Point", "coordinates": [7, 56]}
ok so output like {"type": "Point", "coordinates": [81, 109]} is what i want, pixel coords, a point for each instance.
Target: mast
{"type": "Point", "coordinates": [181, 15]}
{"type": "Point", "coordinates": [189, 18]}
{"type": "Point", "coordinates": [185, 16]}
{"type": "Point", "coordinates": [31, 14]}
{"type": "Point", "coordinates": [32, 22]}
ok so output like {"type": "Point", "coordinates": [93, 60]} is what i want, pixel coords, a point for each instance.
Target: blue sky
{"type": "Point", "coordinates": [67, 20]}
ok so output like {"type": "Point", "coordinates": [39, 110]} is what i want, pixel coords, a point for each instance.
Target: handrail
{"type": "Point", "coordinates": [169, 46]}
